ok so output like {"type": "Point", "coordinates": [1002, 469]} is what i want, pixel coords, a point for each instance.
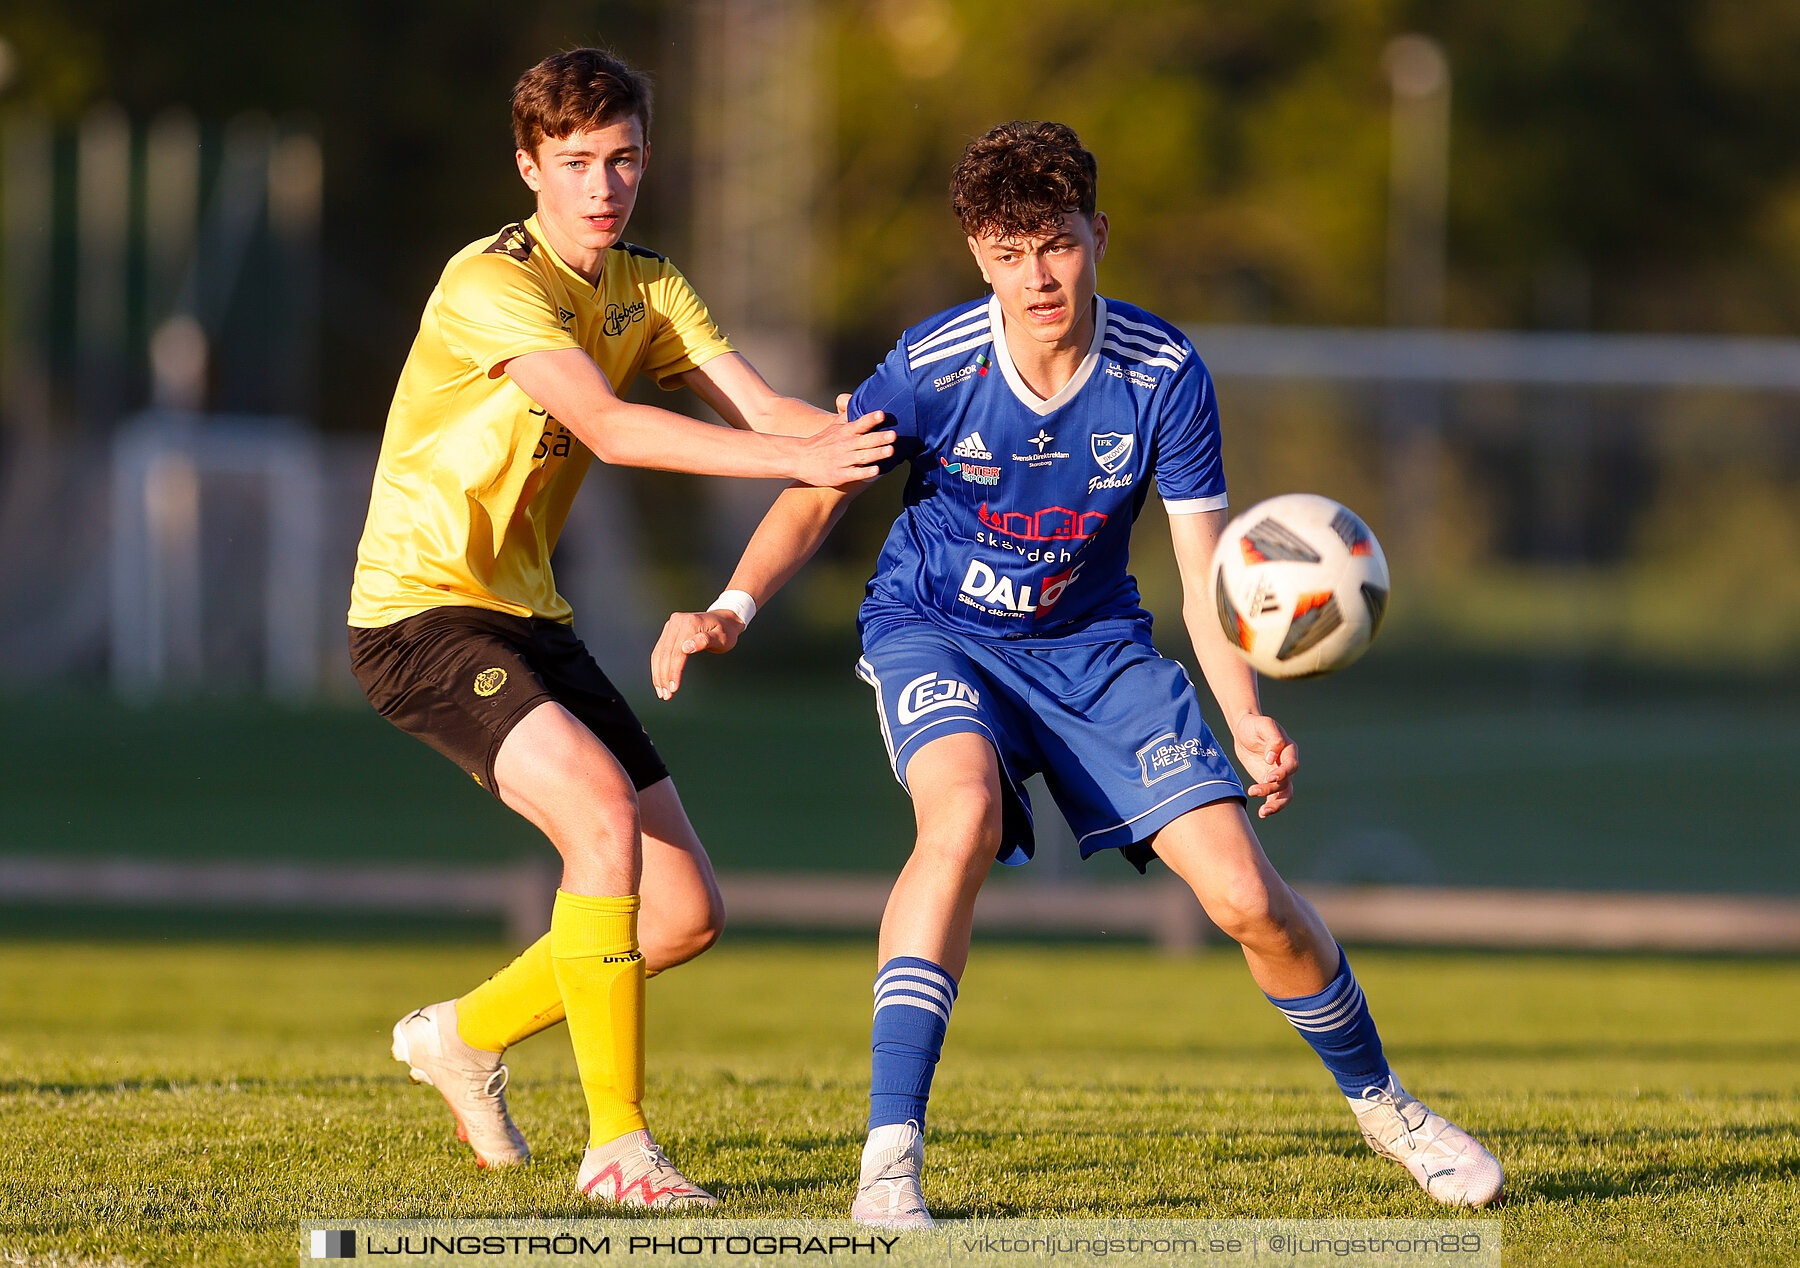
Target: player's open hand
{"type": "Point", "coordinates": [686, 634]}
{"type": "Point", "coordinates": [846, 452]}
{"type": "Point", "coordinates": [1270, 758]}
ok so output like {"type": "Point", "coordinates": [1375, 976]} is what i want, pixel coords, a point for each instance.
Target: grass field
{"type": "Point", "coordinates": [191, 1103]}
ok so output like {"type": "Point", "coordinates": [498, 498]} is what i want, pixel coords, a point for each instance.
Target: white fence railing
{"type": "Point", "coordinates": [1161, 910]}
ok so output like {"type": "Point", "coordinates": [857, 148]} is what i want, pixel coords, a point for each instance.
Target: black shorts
{"type": "Point", "coordinates": [461, 678]}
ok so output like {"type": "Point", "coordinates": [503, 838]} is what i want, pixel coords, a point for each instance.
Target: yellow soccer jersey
{"type": "Point", "coordinates": [475, 480]}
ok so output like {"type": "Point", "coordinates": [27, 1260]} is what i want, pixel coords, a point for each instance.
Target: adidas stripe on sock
{"type": "Point", "coordinates": [1337, 1024]}
{"type": "Point", "coordinates": [913, 998]}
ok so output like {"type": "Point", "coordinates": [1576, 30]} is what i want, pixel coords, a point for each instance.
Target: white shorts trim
{"type": "Point", "coordinates": [1126, 823]}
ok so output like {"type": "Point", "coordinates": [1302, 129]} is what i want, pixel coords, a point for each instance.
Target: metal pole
{"type": "Point", "coordinates": [171, 205]}
{"type": "Point", "coordinates": [178, 346]}
{"type": "Point", "coordinates": [103, 207]}
{"type": "Point", "coordinates": [757, 145]}
{"type": "Point", "coordinates": [1418, 179]}
{"type": "Point", "coordinates": [292, 593]}
{"type": "Point", "coordinates": [296, 192]}
{"type": "Point", "coordinates": [1419, 75]}
{"type": "Point", "coordinates": [25, 185]}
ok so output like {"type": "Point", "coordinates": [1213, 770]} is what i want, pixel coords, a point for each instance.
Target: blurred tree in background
{"type": "Point", "coordinates": [1620, 165]}
{"type": "Point", "coordinates": [1625, 166]}
{"type": "Point", "coordinates": [411, 104]}
{"type": "Point", "coordinates": [1615, 165]}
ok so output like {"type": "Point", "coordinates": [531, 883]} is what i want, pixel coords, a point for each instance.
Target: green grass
{"type": "Point", "coordinates": [192, 1103]}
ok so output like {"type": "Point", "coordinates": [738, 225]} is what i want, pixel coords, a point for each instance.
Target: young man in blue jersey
{"type": "Point", "coordinates": [1003, 636]}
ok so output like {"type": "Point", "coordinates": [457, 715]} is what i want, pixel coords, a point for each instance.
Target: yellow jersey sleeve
{"type": "Point", "coordinates": [684, 336]}
{"type": "Point", "coordinates": [490, 310]}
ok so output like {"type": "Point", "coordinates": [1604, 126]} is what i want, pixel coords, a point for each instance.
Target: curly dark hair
{"type": "Point", "coordinates": [575, 91]}
{"type": "Point", "coordinates": [1019, 180]}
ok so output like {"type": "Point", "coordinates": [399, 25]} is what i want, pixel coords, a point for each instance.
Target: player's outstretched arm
{"type": "Point", "coordinates": [787, 537]}
{"type": "Point", "coordinates": [1269, 756]}
{"type": "Point", "coordinates": [740, 396]}
{"type": "Point", "coordinates": [571, 388]}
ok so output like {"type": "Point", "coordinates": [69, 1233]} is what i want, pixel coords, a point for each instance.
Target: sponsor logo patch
{"type": "Point", "coordinates": [1044, 455]}
{"type": "Point", "coordinates": [979, 369]}
{"type": "Point", "coordinates": [1167, 755]}
{"type": "Point", "coordinates": [619, 316]}
{"type": "Point", "coordinates": [1132, 375]}
{"type": "Point", "coordinates": [1052, 524]}
{"type": "Point", "coordinates": [1000, 595]}
{"type": "Point", "coordinates": [928, 693]}
{"type": "Point", "coordinates": [971, 472]}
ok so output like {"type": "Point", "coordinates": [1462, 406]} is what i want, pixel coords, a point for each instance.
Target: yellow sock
{"type": "Point", "coordinates": [517, 1002]}
{"type": "Point", "coordinates": [600, 972]}
{"type": "Point", "coordinates": [514, 1004]}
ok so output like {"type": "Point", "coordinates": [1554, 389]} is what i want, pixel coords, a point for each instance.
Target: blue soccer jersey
{"type": "Point", "coordinates": [1018, 510]}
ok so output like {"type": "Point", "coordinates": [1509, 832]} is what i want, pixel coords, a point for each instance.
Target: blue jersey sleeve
{"type": "Point", "coordinates": [890, 390]}
{"type": "Point", "coordinates": [1190, 472]}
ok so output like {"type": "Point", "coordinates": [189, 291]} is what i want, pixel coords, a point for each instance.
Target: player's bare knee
{"type": "Point", "coordinates": [598, 839]}
{"type": "Point", "coordinates": [965, 846]}
{"type": "Point", "coordinates": [684, 944]}
{"type": "Point", "coordinates": [1249, 913]}
{"type": "Point", "coordinates": [959, 823]}
{"type": "Point", "coordinates": [706, 928]}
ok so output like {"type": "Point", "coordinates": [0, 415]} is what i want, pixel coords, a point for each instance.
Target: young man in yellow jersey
{"type": "Point", "coordinates": [458, 634]}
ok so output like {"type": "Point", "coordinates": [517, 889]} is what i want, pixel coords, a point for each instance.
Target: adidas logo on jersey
{"type": "Point", "coordinates": [971, 446]}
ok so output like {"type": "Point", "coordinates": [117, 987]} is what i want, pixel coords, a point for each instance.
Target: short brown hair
{"type": "Point", "coordinates": [1021, 178]}
{"type": "Point", "coordinates": [575, 91]}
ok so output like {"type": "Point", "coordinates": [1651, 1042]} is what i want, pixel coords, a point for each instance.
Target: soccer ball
{"type": "Point", "coordinates": [1301, 585]}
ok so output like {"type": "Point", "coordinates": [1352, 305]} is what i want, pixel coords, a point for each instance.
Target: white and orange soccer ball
{"type": "Point", "coordinates": [1301, 585]}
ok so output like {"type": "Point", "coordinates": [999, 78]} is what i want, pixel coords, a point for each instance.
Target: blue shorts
{"type": "Point", "coordinates": [1114, 728]}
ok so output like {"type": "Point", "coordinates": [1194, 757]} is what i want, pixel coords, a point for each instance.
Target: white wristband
{"type": "Point", "coordinates": [737, 602]}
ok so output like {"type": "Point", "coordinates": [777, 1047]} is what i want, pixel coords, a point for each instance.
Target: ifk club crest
{"type": "Point", "coordinates": [1112, 449]}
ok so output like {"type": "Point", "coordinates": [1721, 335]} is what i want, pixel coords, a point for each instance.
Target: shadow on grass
{"type": "Point", "coordinates": [1660, 1179]}
{"type": "Point", "coordinates": [1237, 1143]}
{"type": "Point", "coordinates": [1651, 1161]}
{"type": "Point", "coordinates": [1589, 1049]}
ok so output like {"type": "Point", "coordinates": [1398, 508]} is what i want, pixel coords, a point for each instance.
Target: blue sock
{"type": "Point", "coordinates": [913, 998]}
{"type": "Point", "coordinates": [1337, 1024]}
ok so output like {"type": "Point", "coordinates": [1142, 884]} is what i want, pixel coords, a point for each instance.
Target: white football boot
{"type": "Point", "coordinates": [1449, 1164]}
{"type": "Point", "coordinates": [888, 1193]}
{"type": "Point", "coordinates": [634, 1171]}
{"type": "Point", "coordinates": [471, 1081]}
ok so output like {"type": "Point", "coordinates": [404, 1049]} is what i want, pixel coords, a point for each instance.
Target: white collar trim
{"type": "Point", "coordinates": [1008, 371]}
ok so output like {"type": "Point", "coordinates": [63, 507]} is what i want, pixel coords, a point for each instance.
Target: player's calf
{"type": "Point", "coordinates": [471, 1081]}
